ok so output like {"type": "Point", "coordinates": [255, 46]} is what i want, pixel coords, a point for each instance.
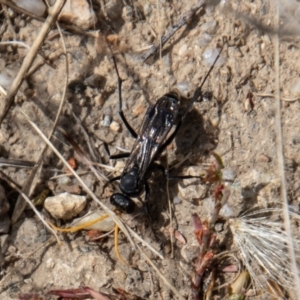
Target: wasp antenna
{"type": "Point", "coordinates": [211, 68]}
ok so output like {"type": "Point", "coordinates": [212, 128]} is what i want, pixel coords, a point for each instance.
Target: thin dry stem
{"type": "Point", "coordinates": [173, 29]}
{"type": "Point", "coordinates": [170, 211]}
{"type": "Point", "coordinates": [29, 185]}
{"type": "Point", "coordinates": [27, 62]}
{"type": "Point", "coordinates": [279, 146]}
{"type": "Point", "coordinates": [18, 43]}
{"type": "Point", "coordinates": [273, 96]}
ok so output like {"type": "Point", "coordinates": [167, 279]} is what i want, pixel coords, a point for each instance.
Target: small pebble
{"type": "Point", "coordinates": [208, 147]}
{"type": "Point", "coordinates": [139, 108]}
{"type": "Point", "coordinates": [226, 211]}
{"type": "Point", "coordinates": [204, 40]}
{"type": "Point", "coordinates": [184, 88]}
{"type": "Point", "coordinates": [106, 121]}
{"type": "Point", "coordinates": [263, 158]}
{"type": "Point", "coordinates": [228, 174]}
{"type": "Point", "coordinates": [36, 7]}
{"type": "Point", "coordinates": [50, 264]}
{"type": "Point", "coordinates": [182, 50]}
{"type": "Point", "coordinates": [210, 56]}
{"type": "Point", "coordinates": [219, 227]}
{"type": "Point", "coordinates": [295, 88]}
{"type": "Point", "coordinates": [177, 200]}
{"type": "Point", "coordinates": [65, 206]}
{"type": "Point", "coordinates": [210, 27]}
{"type": "Point", "coordinates": [167, 61]}
{"type": "Point", "coordinates": [78, 12]}
{"type": "Point", "coordinates": [209, 8]}
{"type": "Point", "coordinates": [215, 120]}
{"type": "Point", "coordinates": [115, 126]}
{"type": "Point", "coordinates": [64, 180]}
{"type": "Point", "coordinates": [147, 9]}
{"type": "Point", "coordinates": [6, 78]}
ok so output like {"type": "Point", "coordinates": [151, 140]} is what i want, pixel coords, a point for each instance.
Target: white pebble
{"type": "Point", "coordinates": [5, 80]}
{"type": "Point", "coordinates": [36, 7]}
{"type": "Point", "coordinates": [167, 60]}
{"type": "Point", "coordinates": [182, 50]}
{"type": "Point", "coordinates": [228, 174]}
{"type": "Point", "coordinates": [106, 121]}
{"type": "Point", "coordinates": [226, 212]}
{"type": "Point", "coordinates": [147, 9]}
{"type": "Point", "coordinates": [210, 27]}
{"type": "Point", "coordinates": [65, 206]}
{"type": "Point", "coordinates": [295, 88]}
{"type": "Point", "coordinates": [204, 39]}
{"type": "Point", "coordinates": [7, 76]}
{"type": "Point", "coordinates": [210, 56]}
{"type": "Point", "coordinates": [65, 180]}
{"type": "Point", "coordinates": [177, 200]}
{"type": "Point", "coordinates": [185, 88]}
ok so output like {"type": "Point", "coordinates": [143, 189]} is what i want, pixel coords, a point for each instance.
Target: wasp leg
{"type": "Point", "coordinates": [165, 173]}
{"type": "Point", "coordinates": [116, 156]}
{"type": "Point", "coordinates": [122, 116]}
{"type": "Point", "coordinates": [120, 155]}
{"type": "Point", "coordinates": [184, 177]}
{"type": "Point", "coordinates": [197, 94]}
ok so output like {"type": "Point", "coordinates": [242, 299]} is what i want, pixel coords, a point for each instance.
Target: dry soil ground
{"type": "Point", "coordinates": [238, 123]}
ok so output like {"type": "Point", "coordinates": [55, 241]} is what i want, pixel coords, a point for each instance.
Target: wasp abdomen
{"type": "Point", "coordinates": [122, 203]}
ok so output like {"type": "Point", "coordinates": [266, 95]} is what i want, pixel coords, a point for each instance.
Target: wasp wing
{"type": "Point", "coordinates": [157, 124]}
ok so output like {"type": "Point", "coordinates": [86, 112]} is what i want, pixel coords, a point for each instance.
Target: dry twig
{"type": "Point", "coordinates": [27, 62]}
{"type": "Point", "coordinates": [72, 28]}
{"type": "Point", "coordinates": [280, 160]}
{"type": "Point", "coordinates": [173, 29]}
{"type": "Point", "coordinates": [28, 187]}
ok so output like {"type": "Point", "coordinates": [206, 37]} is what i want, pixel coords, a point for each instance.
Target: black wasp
{"type": "Point", "coordinates": [159, 127]}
